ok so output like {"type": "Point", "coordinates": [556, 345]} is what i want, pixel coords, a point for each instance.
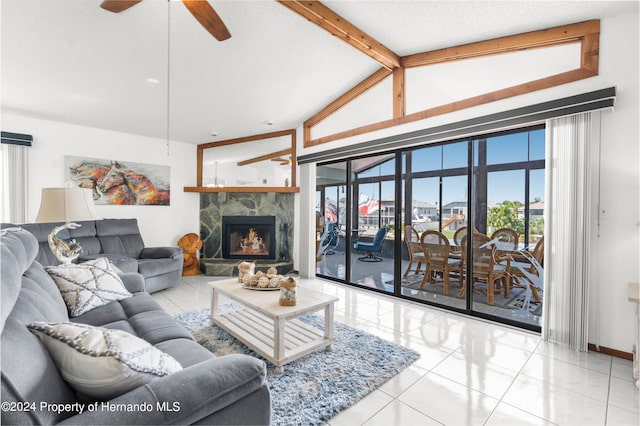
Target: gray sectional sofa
{"type": "Point", "coordinates": [207, 390]}
{"type": "Point", "coordinates": [120, 241]}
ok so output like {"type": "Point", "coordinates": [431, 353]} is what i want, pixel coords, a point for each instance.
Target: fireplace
{"type": "Point", "coordinates": [249, 237]}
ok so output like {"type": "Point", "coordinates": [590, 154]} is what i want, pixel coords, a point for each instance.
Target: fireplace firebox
{"type": "Point", "coordinates": [249, 237]}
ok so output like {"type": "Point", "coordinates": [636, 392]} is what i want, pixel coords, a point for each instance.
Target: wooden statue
{"type": "Point", "coordinates": [190, 244]}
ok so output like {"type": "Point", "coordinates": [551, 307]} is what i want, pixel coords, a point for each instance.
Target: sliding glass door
{"type": "Point", "coordinates": [456, 224]}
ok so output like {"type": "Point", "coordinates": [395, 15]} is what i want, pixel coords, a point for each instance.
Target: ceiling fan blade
{"type": "Point", "coordinates": [117, 6]}
{"type": "Point", "coordinates": [208, 18]}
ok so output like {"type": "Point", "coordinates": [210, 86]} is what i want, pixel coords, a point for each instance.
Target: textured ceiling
{"type": "Point", "coordinates": [71, 61]}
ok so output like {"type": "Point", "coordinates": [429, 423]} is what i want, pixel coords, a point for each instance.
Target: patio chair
{"type": "Point", "coordinates": [507, 238]}
{"type": "Point", "coordinates": [435, 247]}
{"type": "Point", "coordinates": [412, 240]}
{"type": "Point", "coordinates": [459, 235]}
{"type": "Point", "coordinates": [372, 247]}
{"type": "Point", "coordinates": [330, 238]}
{"type": "Point", "coordinates": [487, 267]}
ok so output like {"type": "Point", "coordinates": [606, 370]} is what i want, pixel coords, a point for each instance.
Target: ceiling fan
{"type": "Point", "coordinates": [200, 9]}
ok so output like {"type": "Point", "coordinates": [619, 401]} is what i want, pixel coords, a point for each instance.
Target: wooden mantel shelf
{"type": "Point", "coordinates": [288, 189]}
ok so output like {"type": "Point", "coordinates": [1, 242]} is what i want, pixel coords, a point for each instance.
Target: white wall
{"type": "Point", "coordinates": [230, 174]}
{"type": "Point", "coordinates": [159, 225]}
{"type": "Point", "coordinates": [617, 250]}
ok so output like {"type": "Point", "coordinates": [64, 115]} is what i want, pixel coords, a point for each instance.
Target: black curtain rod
{"type": "Point", "coordinates": [16, 139]}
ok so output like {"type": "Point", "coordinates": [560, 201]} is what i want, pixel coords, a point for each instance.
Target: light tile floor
{"type": "Point", "coordinates": [471, 372]}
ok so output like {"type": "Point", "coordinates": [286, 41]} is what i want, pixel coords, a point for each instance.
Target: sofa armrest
{"type": "Point", "coordinates": [133, 281]}
{"type": "Point", "coordinates": [160, 252]}
{"type": "Point", "coordinates": [183, 397]}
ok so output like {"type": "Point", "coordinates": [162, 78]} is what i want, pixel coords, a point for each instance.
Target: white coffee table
{"type": "Point", "coordinates": [270, 329]}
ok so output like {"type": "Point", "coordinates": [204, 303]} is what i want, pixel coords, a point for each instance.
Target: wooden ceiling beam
{"type": "Point", "coordinates": [353, 93]}
{"type": "Point", "coordinates": [330, 21]}
{"type": "Point", "coordinates": [265, 157]}
{"type": "Point", "coordinates": [573, 33]}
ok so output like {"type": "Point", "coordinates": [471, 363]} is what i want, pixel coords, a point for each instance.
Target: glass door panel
{"type": "Point", "coordinates": [497, 263]}
{"type": "Point", "coordinates": [438, 207]}
{"type": "Point", "coordinates": [331, 198]}
{"type": "Point", "coordinates": [372, 256]}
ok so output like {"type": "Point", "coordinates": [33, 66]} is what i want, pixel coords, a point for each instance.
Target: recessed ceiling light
{"type": "Point", "coordinates": [214, 134]}
{"type": "Point", "coordinates": [152, 80]}
{"type": "Point", "coordinates": [269, 122]}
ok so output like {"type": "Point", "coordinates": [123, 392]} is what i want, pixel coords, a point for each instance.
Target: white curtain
{"type": "Point", "coordinates": [571, 190]}
{"type": "Point", "coordinates": [14, 183]}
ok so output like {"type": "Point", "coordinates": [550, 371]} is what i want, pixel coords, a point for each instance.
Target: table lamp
{"type": "Point", "coordinates": [65, 205]}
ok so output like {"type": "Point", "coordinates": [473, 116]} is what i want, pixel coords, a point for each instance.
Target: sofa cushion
{"type": "Point", "coordinates": [30, 374]}
{"type": "Point", "coordinates": [185, 351]}
{"type": "Point", "coordinates": [140, 315]}
{"type": "Point", "coordinates": [155, 267]}
{"type": "Point", "coordinates": [123, 263]}
{"type": "Point", "coordinates": [19, 249]}
{"type": "Point", "coordinates": [25, 282]}
{"type": "Point", "coordinates": [100, 362]}
{"type": "Point", "coordinates": [120, 236]}
{"type": "Point", "coordinates": [88, 285]}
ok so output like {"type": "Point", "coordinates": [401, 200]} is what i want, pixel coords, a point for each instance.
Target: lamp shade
{"type": "Point", "coordinates": [65, 205]}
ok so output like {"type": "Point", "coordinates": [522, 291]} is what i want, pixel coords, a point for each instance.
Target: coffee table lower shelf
{"type": "Point", "coordinates": [279, 341]}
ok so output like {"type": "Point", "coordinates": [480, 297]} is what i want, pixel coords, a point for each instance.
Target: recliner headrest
{"type": "Point", "coordinates": [19, 250]}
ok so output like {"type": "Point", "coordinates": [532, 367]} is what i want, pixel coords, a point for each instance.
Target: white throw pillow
{"type": "Point", "coordinates": [88, 285]}
{"type": "Point", "coordinates": [100, 362]}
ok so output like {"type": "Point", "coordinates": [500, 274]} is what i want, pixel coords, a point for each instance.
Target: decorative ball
{"type": "Point", "coordinates": [272, 271]}
{"type": "Point", "coordinates": [273, 282]}
{"type": "Point", "coordinates": [263, 282]}
{"type": "Point", "coordinates": [250, 280]}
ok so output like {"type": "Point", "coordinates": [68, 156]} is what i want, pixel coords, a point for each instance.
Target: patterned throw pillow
{"type": "Point", "coordinates": [88, 285]}
{"type": "Point", "coordinates": [100, 362]}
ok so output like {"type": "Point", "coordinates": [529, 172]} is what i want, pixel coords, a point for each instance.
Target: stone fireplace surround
{"type": "Point", "coordinates": [213, 206]}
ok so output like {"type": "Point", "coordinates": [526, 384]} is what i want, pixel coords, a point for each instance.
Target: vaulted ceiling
{"type": "Point", "coordinates": [71, 61]}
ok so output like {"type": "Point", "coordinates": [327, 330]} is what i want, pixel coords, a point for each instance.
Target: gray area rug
{"type": "Point", "coordinates": [515, 301]}
{"type": "Point", "coordinates": [318, 386]}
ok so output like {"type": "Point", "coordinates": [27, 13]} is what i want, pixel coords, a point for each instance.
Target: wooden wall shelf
{"type": "Point", "coordinates": [289, 189]}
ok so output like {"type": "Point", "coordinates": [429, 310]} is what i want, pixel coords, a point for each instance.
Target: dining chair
{"type": "Point", "coordinates": [506, 241]}
{"type": "Point", "coordinates": [507, 238]}
{"type": "Point", "coordinates": [487, 267]}
{"type": "Point", "coordinates": [459, 235]}
{"type": "Point", "coordinates": [436, 249]}
{"type": "Point", "coordinates": [412, 240]}
{"type": "Point", "coordinates": [520, 260]}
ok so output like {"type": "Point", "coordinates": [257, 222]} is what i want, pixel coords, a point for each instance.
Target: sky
{"type": "Point", "coordinates": [501, 186]}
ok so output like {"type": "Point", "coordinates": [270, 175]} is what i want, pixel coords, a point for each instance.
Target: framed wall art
{"type": "Point", "coordinates": [120, 182]}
